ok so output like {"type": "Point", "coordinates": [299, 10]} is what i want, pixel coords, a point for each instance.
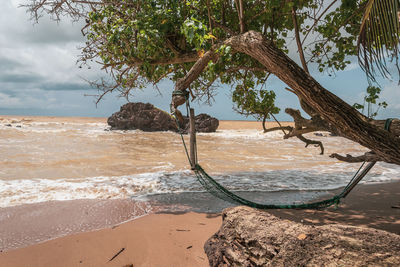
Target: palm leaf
{"type": "Point", "coordinates": [378, 40]}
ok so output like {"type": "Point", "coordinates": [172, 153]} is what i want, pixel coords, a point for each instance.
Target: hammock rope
{"type": "Point", "coordinates": [219, 191]}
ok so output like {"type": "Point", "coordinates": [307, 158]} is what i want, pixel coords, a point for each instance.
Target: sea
{"type": "Point", "coordinates": [58, 158]}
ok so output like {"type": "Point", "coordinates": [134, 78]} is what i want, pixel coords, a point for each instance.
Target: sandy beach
{"type": "Point", "coordinates": [175, 239]}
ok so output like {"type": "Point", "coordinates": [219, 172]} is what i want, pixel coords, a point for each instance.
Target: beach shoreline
{"type": "Point", "coordinates": [176, 238]}
{"type": "Point", "coordinates": [97, 193]}
{"type": "Point", "coordinates": [224, 124]}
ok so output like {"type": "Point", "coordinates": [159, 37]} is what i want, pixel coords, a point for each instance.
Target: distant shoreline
{"type": "Point", "coordinates": [69, 118]}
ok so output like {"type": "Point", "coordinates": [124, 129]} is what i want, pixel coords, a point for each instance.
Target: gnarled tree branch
{"type": "Point", "coordinates": [368, 157]}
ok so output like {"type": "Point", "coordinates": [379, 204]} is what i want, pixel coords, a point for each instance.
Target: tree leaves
{"type": "Point", "coordinates": [370, 101]}
{"type": "Point", "coordinates": [258, 103]}
{"type": "Point", "coordinates": [379, 37]}
{"type": "Point", "coordinates": [143, 42]}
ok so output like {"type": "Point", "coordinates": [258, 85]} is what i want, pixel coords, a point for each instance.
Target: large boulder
{"type": "Point", "coordinates": [250, 237]}
{"type": "Point", "coordinates": [146, 117]}
{"type": "Point", "coordinates": [204, 123]}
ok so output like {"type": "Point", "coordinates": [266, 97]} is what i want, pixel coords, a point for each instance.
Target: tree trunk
{"type": "Point", "coordinates": [263, 123]}
{"type": "Point", "coordinates": [348, 121]}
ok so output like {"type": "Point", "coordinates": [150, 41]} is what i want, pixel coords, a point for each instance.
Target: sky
{"type": "Point", "coordinates": [39, 76]}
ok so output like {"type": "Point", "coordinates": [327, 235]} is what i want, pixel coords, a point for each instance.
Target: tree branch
{"type": "Point", "coordinates": [317, 20]}
{"type": "Point", "coordinates": [368, 157]}
{"type": "Point", "coordinates": [183, 83]}
{"type": "Point", "coordinates": [279, 128]}
{"type": "Point", "coordinates": [297, 34]}
{"type": "Point", "coordinates": [311, 142]}
{"type": "Point", "coordinates": [239, 7]}
{"type": "Point", "coordinates": [136, 62]}
{"type": "Point", "coordinates": [219, 25]}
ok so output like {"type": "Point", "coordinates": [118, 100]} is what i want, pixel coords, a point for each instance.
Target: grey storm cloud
{"type": "Point", "coordinates": [49, 32]}
{"type": "Point", "coordinates": [10, 72]}
{"type": "Point", "coordinates": [19, 78]}
{"type": "Point", "coordinates": [8, 64]}
{"type": "Point", "coordinates": [17, 26]}
{"type": "Point", "coordinates": [66, 87]}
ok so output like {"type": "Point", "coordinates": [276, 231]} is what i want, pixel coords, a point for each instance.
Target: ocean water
{"type": "Point", "coordinates": [44, 159]}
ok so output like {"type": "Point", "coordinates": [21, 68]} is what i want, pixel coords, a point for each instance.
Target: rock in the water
{"type": "Point", "coordinates": [146, 117]}
{"type": "Point", "coordinates": [250, 237]}
{"type": "Point", "coordinates": [203, 123]}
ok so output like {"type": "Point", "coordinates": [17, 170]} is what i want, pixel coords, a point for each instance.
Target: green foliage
{"type": "Point", "coordinates": [258, 103]}
{"type": "Point", "coordinates": [196, 33]}
{"type": "Point", "coordinates": [338, 37]}
{"type": "Point", "coordinates": [370, 101]}
{"type": "Point", "coordinates": [124, 33]}
{"type": "Point", "coordinates": [143, 42]}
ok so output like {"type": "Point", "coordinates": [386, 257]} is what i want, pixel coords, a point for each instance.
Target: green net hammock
{"type": "Point", "coordinates": [218, 190]}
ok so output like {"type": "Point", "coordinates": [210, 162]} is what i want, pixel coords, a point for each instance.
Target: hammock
{"type": "Point", "coordinates": [218, 190]}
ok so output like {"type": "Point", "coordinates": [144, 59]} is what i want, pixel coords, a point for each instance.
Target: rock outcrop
{"type": "Point", "coordinates": [203, 123]}
{"type": "Point", "coordinates": [146, 117]}
{"type": "Point", "coordinates": [250, 237]}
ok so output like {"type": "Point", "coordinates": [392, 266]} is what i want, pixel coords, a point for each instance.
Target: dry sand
{"type": "Point", "coordinates": [177, 239]}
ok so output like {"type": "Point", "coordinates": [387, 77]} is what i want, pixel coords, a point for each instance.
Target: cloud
{"type": "Point", "coordinates": [8, 64]}
{"type": "Point", "coordinates": [66, 86]}
{"type": "Point", "coordinates": [391, 94]}
{"type": "Point", "coordinates": [9, 101]}
{"type": "Point", "coordinates": [19, 78]}
{"type": "Point", "coordinates": [352, 66]}
{"type": "Point", "coordinates": [15, 26]}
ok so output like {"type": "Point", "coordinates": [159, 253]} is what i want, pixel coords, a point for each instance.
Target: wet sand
{"type": "Point", "coordinates": [170, 239]}
{"type": "Point", "coordinates": [29, 224]}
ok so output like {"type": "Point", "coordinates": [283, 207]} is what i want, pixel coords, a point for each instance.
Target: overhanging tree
{"type": "Point", "coordinates": [204, 43]}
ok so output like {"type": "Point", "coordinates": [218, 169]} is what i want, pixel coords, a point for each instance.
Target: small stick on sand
{"type": "Point", "coordinates": [116, 255]}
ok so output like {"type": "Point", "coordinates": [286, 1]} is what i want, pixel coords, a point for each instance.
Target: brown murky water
{"type": "Point", "coordinates": [50, 158]}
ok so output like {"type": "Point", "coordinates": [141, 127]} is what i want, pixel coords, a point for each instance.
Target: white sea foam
{"type": "Point", "coordinates": [15, 192]}
{"type": "Point", "coordinates": [54, 127]}
{"type": "Point", "coordinates": [244, 134]}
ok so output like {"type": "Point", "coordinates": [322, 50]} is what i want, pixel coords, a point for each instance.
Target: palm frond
{"type": "Point", "coordinates": [378, 40]}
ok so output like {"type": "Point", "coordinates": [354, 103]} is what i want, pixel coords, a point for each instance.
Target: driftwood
{"type": "Point", "coordinates": [250, 237]}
